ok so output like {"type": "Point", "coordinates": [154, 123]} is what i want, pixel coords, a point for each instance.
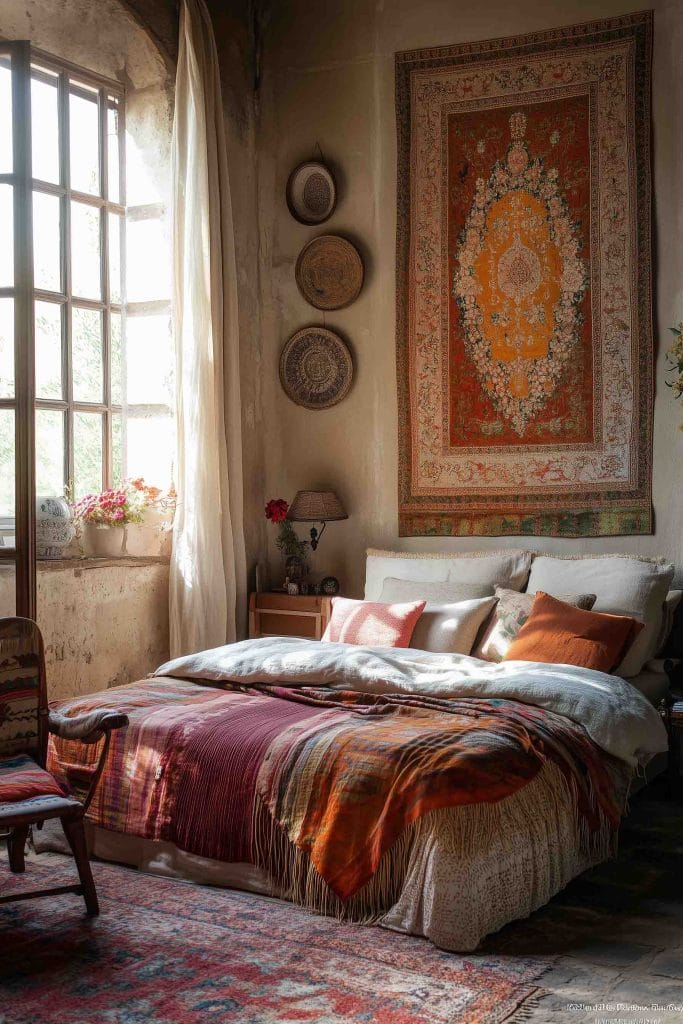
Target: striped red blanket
{"type": "Point", "coordinates": [323, 779]}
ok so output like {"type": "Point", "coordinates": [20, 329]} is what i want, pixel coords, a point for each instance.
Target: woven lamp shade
{"type": "Point", "coordinates": [316, 507]}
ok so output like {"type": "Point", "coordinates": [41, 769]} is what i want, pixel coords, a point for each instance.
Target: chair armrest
{"type": "Point", "coordinates": [88, 728]}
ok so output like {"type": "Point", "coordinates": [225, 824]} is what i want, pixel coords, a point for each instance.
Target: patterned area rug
{"type": "Point", "coordinates": [166, 952]}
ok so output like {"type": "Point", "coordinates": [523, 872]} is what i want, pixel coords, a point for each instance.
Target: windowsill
{"type": "Point", "coordinates": [85, 562]}
{"type": "Point", "coordinates": [88, 562]}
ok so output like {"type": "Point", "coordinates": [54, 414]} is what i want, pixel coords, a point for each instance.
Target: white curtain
{"type": "Point", "coordinates": [208, 572]}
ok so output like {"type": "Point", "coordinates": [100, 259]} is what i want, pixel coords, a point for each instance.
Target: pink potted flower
{"type": "Point", "coordinates": [105, 517]}
{"type": "Point", "coordinates": [125, 520]}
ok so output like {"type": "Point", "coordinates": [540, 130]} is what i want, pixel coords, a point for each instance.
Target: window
{"type": "Point", "coordinates": [85, 368]}
{"type": "Point", "coordinates": [77, 149]}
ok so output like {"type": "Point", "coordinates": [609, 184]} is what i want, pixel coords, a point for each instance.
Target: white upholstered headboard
{"type": "Point", "coordinates": [506, 568]}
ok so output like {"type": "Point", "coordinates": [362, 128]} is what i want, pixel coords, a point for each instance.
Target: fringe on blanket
{"type": "Point", "coordinates": [465, 830]}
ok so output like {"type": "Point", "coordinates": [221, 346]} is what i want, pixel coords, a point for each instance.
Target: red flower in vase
{"type": "Point", "coordinates": [276, 510]}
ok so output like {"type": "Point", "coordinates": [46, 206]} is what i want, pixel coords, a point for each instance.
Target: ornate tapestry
{"type": "Point", "coordinates": [524, 284]}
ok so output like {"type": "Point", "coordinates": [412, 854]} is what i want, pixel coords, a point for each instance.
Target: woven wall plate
{"type": "Point", "coordinates": [316, 369]}
{"type": "Point", "coordinates": [329, 272]}
{"type": "Point", "coordinates": [311, 192]}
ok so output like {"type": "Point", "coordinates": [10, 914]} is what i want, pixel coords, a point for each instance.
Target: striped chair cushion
{"type": "Point", "coordinates": [22, 779]}
{"type": "Point", "coordinates": [19, 695]}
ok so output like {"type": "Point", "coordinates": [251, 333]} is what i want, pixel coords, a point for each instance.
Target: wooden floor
{"type": "Point", "coordinates": [618, 928]}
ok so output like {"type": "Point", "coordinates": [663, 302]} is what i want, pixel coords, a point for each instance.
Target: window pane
{"type": "Point", "coordinates": [85, 251]}
{"type": "Point", "coordinates": [7, 246]}
{"type": "Point", "coordinates": [115, 223]}
{"type": "Point", "coordinates": [87, 453]}
{"type": "Point", "coordinates": [45, 127]}
{"type": "Point", "coordinates": [117, 364]}
{"type": "Point", "coordinates": [6, 348]}
{"type": "Point", "coordinates": [48, 350]}
{"type": "Point", "coordinates": [84, 142]}
{"type": "Point", "coordinates": [113, 168]}
{"type": "Point", "coordinates": [150, 448]}
{"type": "Point", "coordinates": [86, 354]}
{"type": "Point", "coordinates": [148, 267]}
{"type": "Point", "coordinates": [46, 242]}
{"type": "Point", "coordinates": [118, 471]}
{"type": "Point", "coordinates": [6, 462]}
{"type": "Point", "coordinates": [49, 453]}
{"type": "Point", "coordinates": [6, 161]}
{"type": "Point", "coordinates": [149, 360]}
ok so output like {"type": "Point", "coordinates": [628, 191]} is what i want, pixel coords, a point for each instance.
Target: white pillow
{"type": "Point", "coordinates": [450, 628]}
{"type": "Point", "coordinates": [430, 590]}
{"type": "Point", "coordinates": [506, 568]}
{"type": "Point", "coordinates": [623, 585]}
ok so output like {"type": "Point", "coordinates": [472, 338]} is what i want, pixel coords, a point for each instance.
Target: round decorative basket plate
{"type": "Point", "coordinates": [329, 272]}
{"type": "Point", "coordinates": [316, 369]}
{"type": "Point", "coordinates": [311, 193]}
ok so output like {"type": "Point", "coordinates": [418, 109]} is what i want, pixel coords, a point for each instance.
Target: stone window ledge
{"type": "Point", "coordinates": [79, 564]}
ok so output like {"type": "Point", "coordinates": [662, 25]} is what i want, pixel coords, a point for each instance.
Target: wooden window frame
{"type": "Point", "coordinates": [24, 403]}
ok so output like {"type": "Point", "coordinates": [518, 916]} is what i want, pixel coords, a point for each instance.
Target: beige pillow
{"type": "Point", "coordinates": [437, 591]}
{"type": "Point", "coordinates": [624, 585]}
{"type": "Point", "coordinates": [450, 628]}
{"type": "Point", "coordinates": [508, 617]}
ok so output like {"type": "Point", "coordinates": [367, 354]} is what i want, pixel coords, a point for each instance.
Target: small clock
{"type": "Point", "coordinates": [330, 585]}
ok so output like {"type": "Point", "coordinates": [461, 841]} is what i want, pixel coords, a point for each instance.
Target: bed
{"type": "Point", "coordinates": [430, 792]}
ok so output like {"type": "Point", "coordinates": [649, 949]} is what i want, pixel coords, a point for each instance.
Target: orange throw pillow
{"type": "Point", "coordinates": [371, 623]}
{"type": "Point", "coordinates": [560, 634]}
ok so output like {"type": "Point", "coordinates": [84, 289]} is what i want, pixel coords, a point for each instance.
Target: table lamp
{"type": "Point", "coordinates": [316, 507]}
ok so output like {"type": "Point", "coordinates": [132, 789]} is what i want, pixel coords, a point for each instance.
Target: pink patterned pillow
{"type": "Point", "coordinates": [372, 624]}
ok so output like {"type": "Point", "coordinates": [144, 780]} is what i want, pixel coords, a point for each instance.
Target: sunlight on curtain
{"type": "Point", "coordinates": [208, 573]}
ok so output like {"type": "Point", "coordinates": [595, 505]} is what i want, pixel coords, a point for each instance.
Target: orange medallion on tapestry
{"type": "Point", "coordinates": [518, 271]}
{"type": "Point", "coordinates": [519, 282]}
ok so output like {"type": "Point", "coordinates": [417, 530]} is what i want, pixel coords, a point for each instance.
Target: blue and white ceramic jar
{"type": "Point", "coordinates": [54, 527]}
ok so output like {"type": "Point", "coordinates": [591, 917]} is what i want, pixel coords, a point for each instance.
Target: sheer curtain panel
{"type": "Point", "coordinates": [208, 572]}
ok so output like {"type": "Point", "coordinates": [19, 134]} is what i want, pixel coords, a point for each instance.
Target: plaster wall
{"type": "Point", "coordinates": [329, 80]}
{"type": "Point", "coordinates": [234, 31]}
{"type": "Point", "coordinates": [102, 625]}
{"type": "Point", "coordinates": [75, 31]}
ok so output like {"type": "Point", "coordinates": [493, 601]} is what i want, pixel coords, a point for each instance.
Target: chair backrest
{"type": "Point", "coordinates": [23, 690]}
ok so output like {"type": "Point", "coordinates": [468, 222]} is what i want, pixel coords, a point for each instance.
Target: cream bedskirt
{"type": "Point", "coordinates": [469, 870]}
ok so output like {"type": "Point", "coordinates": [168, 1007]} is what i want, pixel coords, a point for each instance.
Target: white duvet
{"type": "Point", "coordinates": [614, 714]}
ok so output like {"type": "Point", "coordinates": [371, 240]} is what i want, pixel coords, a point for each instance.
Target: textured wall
{"type": "Point", "coordinates": [233, 26]}
{"type": "Point", "coordinates": [74, 30]}
{"type": "Point", "coordinates": [102, 626]}
{"type": "Point", "coordinates": [330, 80]}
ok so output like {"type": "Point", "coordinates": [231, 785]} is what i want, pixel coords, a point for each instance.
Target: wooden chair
{"type": "Point", "coordinates": [30, 795]}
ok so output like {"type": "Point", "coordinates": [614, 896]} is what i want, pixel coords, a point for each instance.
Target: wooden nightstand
{"type": "Point", "coordinates": [284, 615]}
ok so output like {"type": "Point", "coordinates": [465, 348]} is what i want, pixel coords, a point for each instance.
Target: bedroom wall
{"type": "Point", "coordinates": [329, 79]}
{"type": "Point", "coordinates": [233, 22]}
